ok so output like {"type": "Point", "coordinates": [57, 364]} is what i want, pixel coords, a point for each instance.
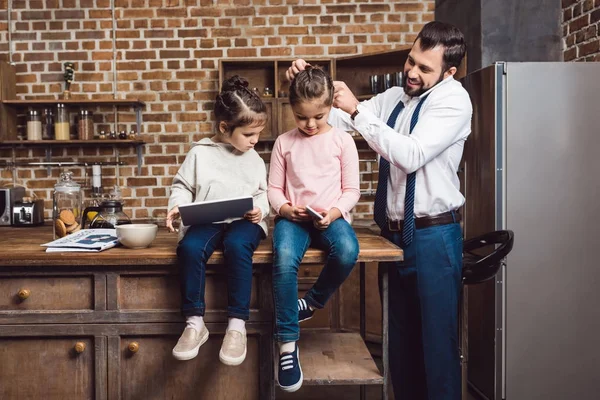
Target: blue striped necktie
{"type": "Point", "coordinates": [379, 209]}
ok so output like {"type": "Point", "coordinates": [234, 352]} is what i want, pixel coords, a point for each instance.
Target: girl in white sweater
{"type": "Point", "coordinates": [223, 166]}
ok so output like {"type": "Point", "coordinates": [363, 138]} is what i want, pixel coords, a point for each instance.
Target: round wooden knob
{"type": "Point", "coordinates": [133, 347]}
{"type": "Point", "coordinates": [24, 294]}
{"type": "Point", "coordinates": [79, 347]}
{"type": "Point", "coordinates": [306, 271]}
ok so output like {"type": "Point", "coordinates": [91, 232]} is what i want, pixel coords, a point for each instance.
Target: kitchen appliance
{"type": "Point", "coordinates": [530, 165]}
{"type": "Point", "coordinates": [8, 197]}
{"type": "Point", "coordinates": [28, 213]}
{"type": "Point", "coordinates": [108, 215]}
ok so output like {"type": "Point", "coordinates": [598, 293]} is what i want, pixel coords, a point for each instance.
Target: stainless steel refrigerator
{"type": "Point", "coordinates": [532, 165]}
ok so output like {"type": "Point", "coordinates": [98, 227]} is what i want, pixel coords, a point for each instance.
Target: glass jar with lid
{"type": "Point", "coordinates": [66, 206]}
{"type": "Point", "coordinates": [48, 124]}
{"type": "Point", "coordinates": [62, 124]}
{"type": "Point", "coordinates": [34, 125]}
{"type": "Point", "coordinates": [86, 125]}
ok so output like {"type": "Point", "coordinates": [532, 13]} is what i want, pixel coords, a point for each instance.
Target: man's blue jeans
{"type": "Point", "coordinates": [423, 314]}
{"type": "Point", "coordinates": [290, 242]}
{"type": "Point", "coordinates": [239, 239]}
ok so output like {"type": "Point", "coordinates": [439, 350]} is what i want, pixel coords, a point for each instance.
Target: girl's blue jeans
{"type": "Point", "coordinates": [290, 242]}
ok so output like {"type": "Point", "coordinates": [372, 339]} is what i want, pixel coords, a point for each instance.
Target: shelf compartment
{"type": "Point", "coordinates": [355, 70]}
{"type": "Point", "coordinates": [337, 359]}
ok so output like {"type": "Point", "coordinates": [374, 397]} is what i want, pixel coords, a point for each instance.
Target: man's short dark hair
{"type": "Point", "coordinates": [437, 33]}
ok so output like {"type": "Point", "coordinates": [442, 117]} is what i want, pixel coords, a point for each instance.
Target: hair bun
{"type": "Point", "coordinates": [234, 83]}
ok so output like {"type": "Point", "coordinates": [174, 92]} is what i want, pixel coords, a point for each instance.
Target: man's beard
{"type": "Point", "coordinates": [420, 90]}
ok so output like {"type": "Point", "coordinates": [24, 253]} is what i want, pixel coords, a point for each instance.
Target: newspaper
{"type": "Point", "coordinates": [85, 240]}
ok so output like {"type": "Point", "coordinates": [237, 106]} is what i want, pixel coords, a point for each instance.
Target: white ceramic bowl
{"type": "Point", "coordinates": [136, 236]}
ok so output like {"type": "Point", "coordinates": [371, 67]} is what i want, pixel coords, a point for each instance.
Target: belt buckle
{"type": "Point", "coordinates": [393, 226]}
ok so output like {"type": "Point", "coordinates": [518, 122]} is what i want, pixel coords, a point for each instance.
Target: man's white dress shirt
{"type": "Point", "coordinates": [434, 149]}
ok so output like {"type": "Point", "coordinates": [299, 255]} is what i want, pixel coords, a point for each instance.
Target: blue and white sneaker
{"type": "Point", "coordinates": [304, 311]}
{"type": "Point", "coordinates": [290, 375]}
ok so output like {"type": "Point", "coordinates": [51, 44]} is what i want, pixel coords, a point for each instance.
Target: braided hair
{"type": "Point", "coordinates": [312, 83]}
{"type": "Point", "coordinates": [236, 105]}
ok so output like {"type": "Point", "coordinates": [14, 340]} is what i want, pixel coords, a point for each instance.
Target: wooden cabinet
{"type": "Point", "coordinates": [103, 325]}
{"type": "Point", "coordinates": [48, 367]}
{"type": "Point", "coordinates": [141, 367]}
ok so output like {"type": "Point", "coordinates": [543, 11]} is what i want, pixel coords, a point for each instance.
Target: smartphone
{"type": "Point", "coordinates": [313, 213]}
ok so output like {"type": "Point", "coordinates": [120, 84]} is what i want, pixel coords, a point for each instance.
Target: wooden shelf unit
{"type": "Point", "coordinates": [10, 107]}
{"type": "Point", "coordinates": [262, 73]}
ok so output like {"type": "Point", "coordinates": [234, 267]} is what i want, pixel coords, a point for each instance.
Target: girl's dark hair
{"type": "Point", "coordinates": [437, 33]}
{"type": "Point", "coordinates": [312, 83]}
{"type": "Point", "coordinates": [237, 105]}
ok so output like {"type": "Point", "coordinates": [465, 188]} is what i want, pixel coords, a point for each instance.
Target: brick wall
{"type": "Point", "coordinates": [581, 30]}
{"type": "Point", "coordinates": [166, 53]}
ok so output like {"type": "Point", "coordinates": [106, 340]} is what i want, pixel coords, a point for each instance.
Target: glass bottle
{"type": "Point", "coordinates": [48, 125]}
{"type": "Point", "coordinates": [66, 206]}
{"type": "Point", "coordinates": [34, 125]}
{"type": "Point", "coordinates": [61, 124]}
{"type": "Point", "coordinates": [86, 125]}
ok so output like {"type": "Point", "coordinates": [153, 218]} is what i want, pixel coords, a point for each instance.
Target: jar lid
{"type": "Point", "coordinates": [66, 183]}
{"type": "Point", "coordinates": [60, 105]}
{"type": "Point", "coordinates": [85, 112]}
{"type": "Point", "coordinates": [33, 112]}
{"type": "Point", "coordinates": [48, 111]}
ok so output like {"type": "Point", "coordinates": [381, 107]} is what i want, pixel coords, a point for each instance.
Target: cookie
{"type": "Point", "coordinates": [67, 217]}
{"type": "Point", "coordinates": [60, 228]}
{"type": "Point", "coordinates": [73, 228]}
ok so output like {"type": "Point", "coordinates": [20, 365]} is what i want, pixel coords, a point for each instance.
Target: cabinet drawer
{"type": "Point", "coordinates": [47, 368]}
{"type": "Point", "coordinates": [162, 292]}
{"type": "Point", "coordinates": [47, 293]}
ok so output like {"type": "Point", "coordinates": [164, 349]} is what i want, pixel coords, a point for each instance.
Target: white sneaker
{"type": "Point", "coordinates": [233, 349]}
{"type": "Point", "coordinates": [189, 343]}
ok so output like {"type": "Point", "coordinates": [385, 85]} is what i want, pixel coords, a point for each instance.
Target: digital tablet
{"type": "Point", "coordinates": [207, 212]}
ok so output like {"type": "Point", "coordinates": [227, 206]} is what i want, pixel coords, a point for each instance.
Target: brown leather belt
{"type": "Point", "coordinates": [449, 217]}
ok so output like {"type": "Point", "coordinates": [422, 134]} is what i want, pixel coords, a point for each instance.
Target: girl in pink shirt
{"type": "Point", "coordinates": [312, 165]}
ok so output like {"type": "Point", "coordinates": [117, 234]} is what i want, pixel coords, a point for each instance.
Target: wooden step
{"type": "Point", "coordinates": [337, 359]}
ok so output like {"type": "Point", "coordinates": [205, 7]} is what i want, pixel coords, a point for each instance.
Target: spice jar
{"type": "Point", "coordinates": [48, 125]}
{"type": "Point", "coordinates": [61, 125]}
{"type": "Point", "coordinates": [267, 92]}
{"type": "Point", "coordinates": [34, 125]}
{"type": "Point", "coordinates": [66, 206]}
{"type": "Point", "coordinates": [123, 135]}
{"type": "Point", "coordinates": [86, 125]}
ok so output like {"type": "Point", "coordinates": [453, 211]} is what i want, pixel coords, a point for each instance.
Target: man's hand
{"type": "Point", "coordinates": [171, 216]}
{"type": "Point", "coordinates": [343, 98]}
{"type": "Point", "coordinates": [254, 216]}
{"type": "Point", "coordinates": [297, 66]}
{"type": "Point", "coordinates": [294, 213]}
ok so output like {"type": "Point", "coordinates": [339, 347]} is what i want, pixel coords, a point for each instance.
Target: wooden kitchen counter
{"type": "Point", "coordinates": [102, 325]}
{"type": "Point", "coordinates": [21, 247]}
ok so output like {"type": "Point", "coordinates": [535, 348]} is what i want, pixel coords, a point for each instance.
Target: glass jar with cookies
{"type": "Point", "coordinates": [66, 209]}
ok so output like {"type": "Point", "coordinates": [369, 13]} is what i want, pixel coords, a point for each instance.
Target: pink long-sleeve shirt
{"type": "Point", "coordinates": [320, 171]}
